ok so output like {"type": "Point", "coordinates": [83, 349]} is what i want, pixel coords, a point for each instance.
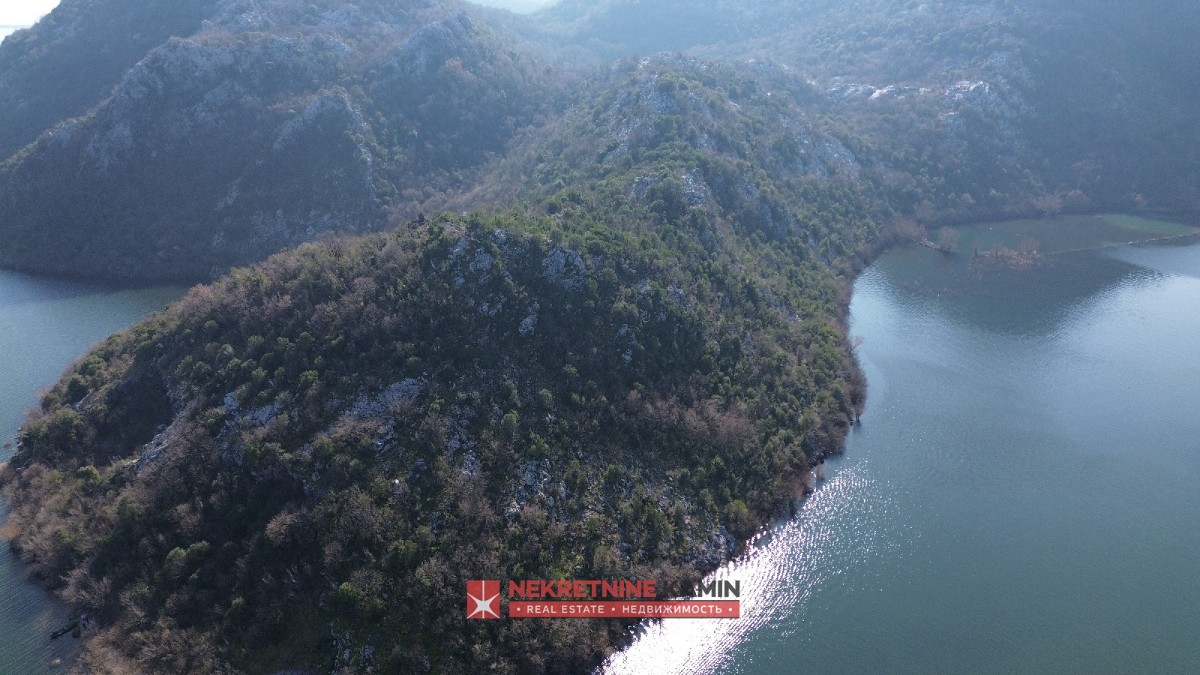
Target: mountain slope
{"type": "Point", "coordinates": [271, 123]}
{"type": "Point", "coordinates": [1005, 107]}
{"type": "Point", "coordinates": [741, 153]}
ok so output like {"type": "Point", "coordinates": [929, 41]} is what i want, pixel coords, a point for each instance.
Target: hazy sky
{"type": "Point", "coordinates": [24, 12]}
{"type": "Point", "coordinates": [517, 5]}
{"type": "Point", "coordinates": [27, 12]}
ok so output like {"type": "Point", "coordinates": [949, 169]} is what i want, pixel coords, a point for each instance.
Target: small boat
{"type": "Point", "coordinates": [67, 628]}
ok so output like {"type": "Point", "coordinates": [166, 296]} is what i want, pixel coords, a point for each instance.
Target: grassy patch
{"type": "Point", "coordinates": [1067, 233]}
{"type": "Point", "coordinates": [1150, 227]}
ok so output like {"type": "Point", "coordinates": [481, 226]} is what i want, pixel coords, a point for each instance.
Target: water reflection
{"type": "Point", "coordinates": [842, 517]}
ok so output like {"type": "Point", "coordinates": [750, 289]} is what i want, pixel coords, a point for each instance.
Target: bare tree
{"type": "Point", "coordinates": [948, 240]}
{"type": "Point", "coordinates": [856, 342]}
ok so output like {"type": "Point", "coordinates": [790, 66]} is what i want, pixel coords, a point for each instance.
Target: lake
{"type": "Point", "coordinates": [1022, 494]}
{"type": "Point", "coordinates": [45, 325]}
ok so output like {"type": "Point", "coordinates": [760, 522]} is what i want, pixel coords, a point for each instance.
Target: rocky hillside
{"type": "Point", "coordinates": [991, 107]}
{"type": "Point", "coordinates": [730, 149]}
{"type": "Point", "coordinates": [57, 70]}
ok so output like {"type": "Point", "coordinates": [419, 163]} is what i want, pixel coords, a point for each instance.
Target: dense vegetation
{"type": "Point", "coordinates": [312, 455]}
{"type": "Point", "coordinates": [730, 151]}
{"type": "Point", "coordinates": [621, 366]}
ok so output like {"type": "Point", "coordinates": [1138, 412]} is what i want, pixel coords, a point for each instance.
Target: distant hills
{"type": "Point", "coordinates": [149, 141]}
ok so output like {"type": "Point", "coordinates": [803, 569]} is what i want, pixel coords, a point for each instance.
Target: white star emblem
{"type": "Point", "coordinates": [483, 606]}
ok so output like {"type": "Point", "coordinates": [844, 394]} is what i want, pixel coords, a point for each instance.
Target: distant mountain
{"type": "Point", "coordinates": [734, 150]}
{"type": "Point", "coordinates": [615, 28]}
{"type": "Point", "coordinates": [70, 61]}
{"type": "Point", "coordinates": [264, 125]}
{"type": "Point", "coordinates": [151, 142]}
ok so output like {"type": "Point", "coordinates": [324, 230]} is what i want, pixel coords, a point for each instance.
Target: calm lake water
{"type": "Point", "coordinates": [44, 326]}
{"type": "Point", "coordinates": [1023, 492]}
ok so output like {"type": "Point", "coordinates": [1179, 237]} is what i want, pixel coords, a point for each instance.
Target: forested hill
{"type": "Point", "coordinates": [301, 465]}
{"type": "Point", "coordinates": [709, 153]}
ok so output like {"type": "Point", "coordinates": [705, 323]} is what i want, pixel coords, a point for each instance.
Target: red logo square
{"type": "Point", "coordinates": [483, 599]}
